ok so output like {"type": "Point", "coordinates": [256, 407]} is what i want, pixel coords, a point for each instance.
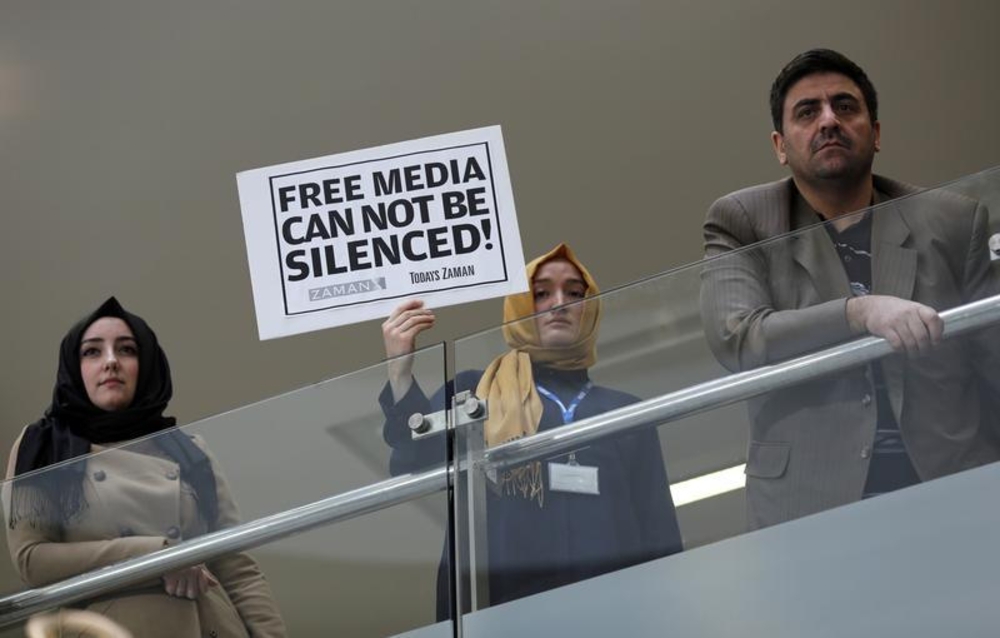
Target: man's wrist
{"type": "Point", "coordinates": [855, 310]}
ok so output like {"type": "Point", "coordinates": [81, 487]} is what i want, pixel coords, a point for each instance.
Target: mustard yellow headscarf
{"type": "Point", "coordinates": [515, 409]}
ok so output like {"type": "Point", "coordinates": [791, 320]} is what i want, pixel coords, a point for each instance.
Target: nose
{"type": "Point", "coordinates": [560, 299]}
{"type": "Point", "coordinates": [828, 118]}
{"type": "Point", "coordinates": [111, 359]}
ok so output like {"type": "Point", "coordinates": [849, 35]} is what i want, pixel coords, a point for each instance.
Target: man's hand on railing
{"type": "Point", "coordinates": [189, 582]}
{"type": "Point", "coordinates": [908, 326]}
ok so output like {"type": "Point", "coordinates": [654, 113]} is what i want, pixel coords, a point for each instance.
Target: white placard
{"type": "Point", "coordinates": [345, 238]}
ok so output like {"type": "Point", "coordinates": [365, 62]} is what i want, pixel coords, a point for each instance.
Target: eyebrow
{"type": "Point", "coordinates": [546, 280]}
{"type": "Point", "coordinates": [101, 339]}
{"type": "Point", "coordinates": [813, 101]}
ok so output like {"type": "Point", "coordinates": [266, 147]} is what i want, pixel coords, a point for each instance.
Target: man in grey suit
{"type": "Point", "coordinates": [887, 270]}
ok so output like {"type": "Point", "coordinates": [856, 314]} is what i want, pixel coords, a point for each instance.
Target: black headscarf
{"type": "Point", "coordinates": [72, 423]}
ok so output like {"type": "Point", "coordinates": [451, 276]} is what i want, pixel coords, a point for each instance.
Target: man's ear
{"type": "Point", "coordinates": [877, 130]}
{"type": "Point", "coordinates": [778, 141]}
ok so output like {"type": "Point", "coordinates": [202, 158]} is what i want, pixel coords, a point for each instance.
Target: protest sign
{"type": "Point", "coordinates": [344, 238]}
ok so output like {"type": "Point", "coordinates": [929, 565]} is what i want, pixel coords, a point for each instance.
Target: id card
{"type": "Point", "coordinates": [575, 478]}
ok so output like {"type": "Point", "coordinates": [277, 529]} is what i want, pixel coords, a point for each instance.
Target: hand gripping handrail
{"type": "Point", "coordinates": [697, 398]}
{"type": "Point", "coordinates": [725, 390]}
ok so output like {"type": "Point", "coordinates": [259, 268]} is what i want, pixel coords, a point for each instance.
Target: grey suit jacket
{"type": "Point", "coordinates": [773, 287]}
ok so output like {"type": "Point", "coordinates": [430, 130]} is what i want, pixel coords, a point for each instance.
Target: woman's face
{"type": "Point", "coordinates": [558, 282]}
{"type": "Point", "coordinates": [109, 363]}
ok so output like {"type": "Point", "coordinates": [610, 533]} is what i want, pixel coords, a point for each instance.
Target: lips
{"type": "Point", "coordinates": [830, 144]}
{"type": "Point", "coordinates": [111, 382]}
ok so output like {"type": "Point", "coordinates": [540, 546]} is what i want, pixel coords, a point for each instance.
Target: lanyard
{"type": "Point", "coordinates": [567, 412]}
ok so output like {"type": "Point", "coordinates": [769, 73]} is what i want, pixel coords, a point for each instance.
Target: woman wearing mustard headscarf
{"type": "Point", "coordinates": [558, 520]}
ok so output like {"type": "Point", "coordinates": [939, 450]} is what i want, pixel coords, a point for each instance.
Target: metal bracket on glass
{"type": "Point", "coordinates": [468, 409]}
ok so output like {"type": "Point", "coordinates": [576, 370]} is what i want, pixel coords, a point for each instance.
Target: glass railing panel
{"type": "Point", "coordinates": [534, 514]}
{"type": "Point", "coordinates": [602, 505]}
{"type": "Point", "coordinates": [373, 574]}
{"type": "Point", "coordinates": [920, 413]}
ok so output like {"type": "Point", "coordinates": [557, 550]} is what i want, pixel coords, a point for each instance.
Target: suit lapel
{"type": "Point", "coordinates": [813, 250]}
{"type": "Point", "coordinates": [894, 271]}
{"type": "Point", "coordinates": [894, 267]}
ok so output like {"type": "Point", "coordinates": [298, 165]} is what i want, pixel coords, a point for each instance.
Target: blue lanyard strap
{"type": "Point", "coordinates": [567, 412]}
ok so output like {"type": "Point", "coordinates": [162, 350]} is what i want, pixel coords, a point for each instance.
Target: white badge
{"type": "Point", "coordinates": [572, 477]}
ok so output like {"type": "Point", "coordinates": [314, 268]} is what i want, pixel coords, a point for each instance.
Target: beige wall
{"type": "Point", "coordinates": [122, 126]}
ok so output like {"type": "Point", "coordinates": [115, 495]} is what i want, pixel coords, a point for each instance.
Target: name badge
{"type": "Point", "coordinates": [571, 477]}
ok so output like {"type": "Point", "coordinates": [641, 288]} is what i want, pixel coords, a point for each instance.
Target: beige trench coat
{"type": "Point", "coordinates": [137, 504]}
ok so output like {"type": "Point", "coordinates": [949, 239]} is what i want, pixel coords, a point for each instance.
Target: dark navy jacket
{"type": "Point", "coordinates": [571, 536]}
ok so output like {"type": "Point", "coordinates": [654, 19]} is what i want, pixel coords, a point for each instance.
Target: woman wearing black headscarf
{"type": "Point", "coordinates": [113, 386]}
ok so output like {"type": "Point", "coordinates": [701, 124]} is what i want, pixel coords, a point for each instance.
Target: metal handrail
{"type": "Point", "coordinates": [725, 391]}
{"type": "Point", "coordinates": [704, 396]}
{"type": "Point", "coordinates": [341, 507]}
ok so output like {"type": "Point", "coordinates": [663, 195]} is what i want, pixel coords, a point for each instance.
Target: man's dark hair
{"type": "Point", "coordinates": [819, 61]}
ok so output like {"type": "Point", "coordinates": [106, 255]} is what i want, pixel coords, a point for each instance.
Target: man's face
{"type": "Point", "coordinates": [828, 132]}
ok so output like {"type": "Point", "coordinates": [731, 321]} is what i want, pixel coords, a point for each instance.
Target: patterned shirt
{"type": "Point", "coordinates": [890, 467]}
